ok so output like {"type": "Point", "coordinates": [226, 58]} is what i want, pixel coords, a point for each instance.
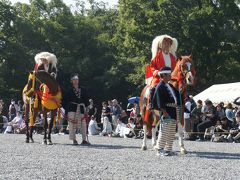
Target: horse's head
{"type": "Point", "coordinates": [187, 69]}
{"type": "Point", "coordinates": [184, 72]}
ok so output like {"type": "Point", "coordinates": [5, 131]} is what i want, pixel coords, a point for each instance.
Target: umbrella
{"type": "Point", "coordinates": [134, 99]}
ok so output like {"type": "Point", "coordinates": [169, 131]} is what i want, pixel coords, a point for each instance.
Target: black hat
{"type": "Point", "coordinates": [165, 70]}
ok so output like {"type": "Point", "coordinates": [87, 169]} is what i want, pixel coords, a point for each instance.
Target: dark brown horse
{"type": "Point", "coordinates": [182, 75]}
{"type": "Point", "coordinates": [41, 94]}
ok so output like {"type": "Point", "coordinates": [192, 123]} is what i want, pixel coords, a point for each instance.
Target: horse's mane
{"type": "Point", "coordinates": [47, 79]}
{"type": "Point", "coordinates": [45, 74]}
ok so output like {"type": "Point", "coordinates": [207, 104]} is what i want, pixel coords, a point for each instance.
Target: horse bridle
{"type": "Point", "coordinates": [186, 72]}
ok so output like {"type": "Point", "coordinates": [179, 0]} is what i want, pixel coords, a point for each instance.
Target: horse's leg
{"type": "Point", "coordinates": [32, 121]}
{"type": "Point", "coordinates": [180, 139]}
{"type": "Point", "coordinates": [45, 126]}
{"type": "Point", "coordinates": [27, 122]}
{"type": "Point", "coordinates": [180, 130]}
{"type": "Point", "coordinates": [50, 126]}
{"type": "Point", "coordinates": [154, 136]}
{"type": "Point", "coordinates": [144, 145]}
{"type": "Point", "coordinates": [27, 130]}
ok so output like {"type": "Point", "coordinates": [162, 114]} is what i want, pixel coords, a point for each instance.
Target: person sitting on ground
{"type": "Point", "coordinates": [12, 110]}
{"type": "Point", "coordinates": [211, 119]}
{"type": "Point", "coordinates": [196, 118]}
{"type": "Point", "coordinates": [116, 112]}
{"type": "Point", "coordinates": [229, 113]}
{"type": "Point", "coordinates": [93, 128]}
{"type": "Point", "coordinates": [119, 129]}
{"type": "Point", "coordinates": [234, 135]}
{"type": "Point", "coordinates": [220, 111]}
{"type": "Point", "coordinates": [138, 126]}
{"type": "Point", "coordinates": [221, 130]}
{"type": "Point", "coordinates": [16, 122]}
{"type": "Point", "coordinates": [129, 129]}
{"type": "Point", "coordinates": [107, 127]}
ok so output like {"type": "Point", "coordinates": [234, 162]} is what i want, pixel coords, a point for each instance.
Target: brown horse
{"type": "Point", "coordinates": [42, 93]}
{"type": "Point", "coordinates": [182, 75]}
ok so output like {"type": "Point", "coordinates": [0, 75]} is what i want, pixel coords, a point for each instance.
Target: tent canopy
{"type": "Point", "coordinates": [226, 93]}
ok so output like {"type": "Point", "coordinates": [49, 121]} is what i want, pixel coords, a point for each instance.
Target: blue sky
{"type": "Point", "coordinates": [111, 3]}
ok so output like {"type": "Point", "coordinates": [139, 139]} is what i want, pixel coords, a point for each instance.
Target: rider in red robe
{"type": "Point", "coordinates": [163, 54]}
{"type": "Point", "coordinates": [47, 62]}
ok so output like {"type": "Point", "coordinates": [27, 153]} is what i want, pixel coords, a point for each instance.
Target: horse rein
{"type": "Point", "coordinates": [33, 77]}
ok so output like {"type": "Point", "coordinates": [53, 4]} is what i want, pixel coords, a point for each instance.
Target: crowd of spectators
{"type": "Point", "coordinates": [202, 120]}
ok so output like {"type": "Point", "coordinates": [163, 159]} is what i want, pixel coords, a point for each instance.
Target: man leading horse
{"type": "Point", "coordinates": [163, 55]}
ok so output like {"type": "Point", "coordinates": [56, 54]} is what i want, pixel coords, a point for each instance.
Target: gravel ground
{"type": "Point", "coordinates": [114, 158]}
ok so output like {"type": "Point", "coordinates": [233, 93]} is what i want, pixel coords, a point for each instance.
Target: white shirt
{"type": "Point", "coordinates": [167, 59]}
{"type": "Point", "coordinates": [188, 106]}
{"type": "Point", "coordinates": [93, 127]}
{"type": "Point", "coordinates": [17, 120]}
{"type": "Point", "coordinates": [120, 129]}
{"type": "Point", "coordinates": [172, 92]}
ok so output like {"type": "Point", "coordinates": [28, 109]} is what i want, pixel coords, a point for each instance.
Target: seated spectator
{"type": "Point", "coordinates": [5, 123]}
{"type": "Point", "coordinates": [107, 127]}
{"type": "Point", "coordinates": [16, 122]}
{"type": "Point", "coordinates": [129, 129]}
{"type": "Point", "coordinates": [13, 109]}
{"type": "Point", "coordinates": [210, 119]}
{"type": "Point", "coordinates": [38, 125]}
{"type": "Point", "coordinates": [93, 128]}
{"type": "Point", "coordinates": [229, 113]}
{"type": "Point", "coordinates": [188, 123]}
{"type": "Point", "coordinates": [134, 111]}
{"type": "Point", "coordinates": [220, 111]}
{"type": "Point", "coordinates": [196, 117]}
{"type": "Point", "coordinates": [116, 112]}
{"type": "Point", "coordinates": [234, 135]}
{"type": "Point", "coordinates": [221, 130]}
{"type": "Point", "coordinates": [119, 131]}
{"type": "Point", "coordinates": [8, 130]}
{"type": "Point", "coordinates": [138, 126]}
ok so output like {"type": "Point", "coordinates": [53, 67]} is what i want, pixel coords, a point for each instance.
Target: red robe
{"type": "Point", "coordinates": [157, 63]}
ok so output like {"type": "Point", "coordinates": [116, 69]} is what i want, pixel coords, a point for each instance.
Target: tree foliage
{"type": "Point", "coordinates": [110, 47]}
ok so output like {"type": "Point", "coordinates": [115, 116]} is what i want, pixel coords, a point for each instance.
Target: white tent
{"type": "Point", "coordinates": [226, 93]}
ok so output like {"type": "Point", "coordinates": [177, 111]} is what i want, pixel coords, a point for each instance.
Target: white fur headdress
{"type": "Point", "coordinates": [51, 58]}
{"type": "Point", "coordinates": [157, 43]}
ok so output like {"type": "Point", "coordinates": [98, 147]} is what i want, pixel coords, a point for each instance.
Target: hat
{"type": "Point", "coordinates": [165, 70]}
{"type": "Point", "coordinates": [157, 43]}
{"type": "Point", "coordinates": [74, 77]}
{"type": "Point", "coordinates": [51, 58]}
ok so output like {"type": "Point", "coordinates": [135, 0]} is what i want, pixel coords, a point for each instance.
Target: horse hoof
{"type": "Point", "coordinates": [27, 141]}
{"type": "Point", "coordinates": [44, 142]}
{"type": "Point", "coordinates": [50, 142]}
{"type": "Point", "coordinates": [183, 151]}
{"type": "Point", "coordinates": [31, 140]}
{"type": "Point", "coordinates": [144, 148]}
